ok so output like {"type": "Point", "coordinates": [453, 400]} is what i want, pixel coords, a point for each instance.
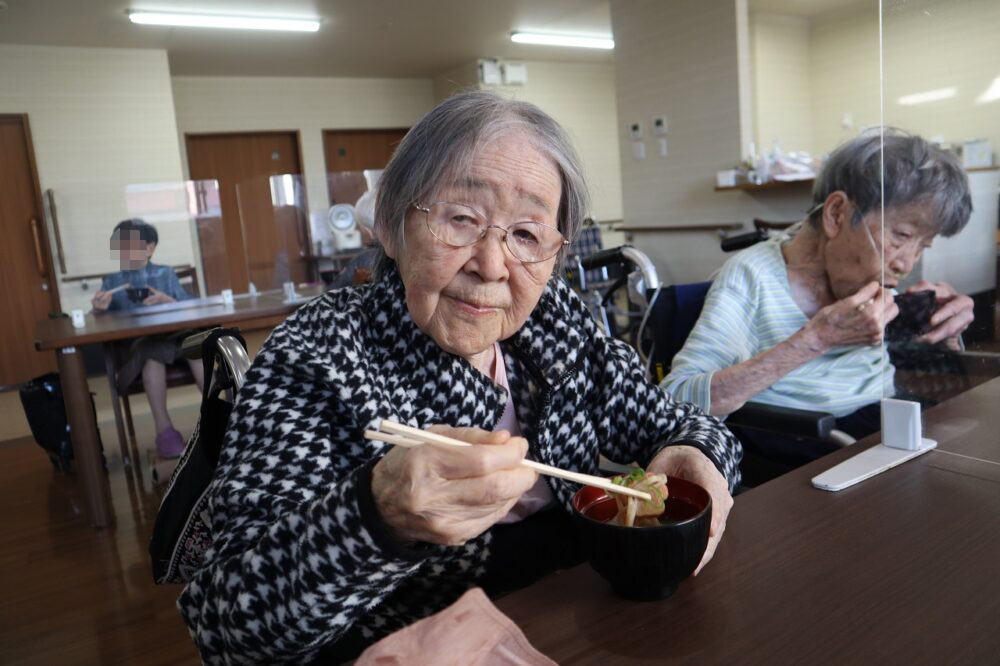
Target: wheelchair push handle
{"type": "Point", "coordinates": [624, 254]}
{"type": "Point", "coordinates": [608, 257]}
{"type": "Point", "coordinates": [741, 241]}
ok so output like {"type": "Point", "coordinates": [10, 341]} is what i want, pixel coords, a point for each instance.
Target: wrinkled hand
{"type": "Point", "coordinates": [859, 319]}
{"type": "Point", "coordinates": [689, 463]}
{"type": "Point", "coordinates": [448, 495]}
{"type": "Point", "coordinates": [952, 316]}
{"type": "Point", "coordinates": [157, 296]}
{"type": "Point", "coordinates": [101, 300]}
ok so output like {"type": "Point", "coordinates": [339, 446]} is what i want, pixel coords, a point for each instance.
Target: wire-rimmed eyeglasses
{"type": "Point", "coordinates": [458, 225]}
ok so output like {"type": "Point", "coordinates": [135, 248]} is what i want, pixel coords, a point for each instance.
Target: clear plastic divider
{"type": "Point", "coordinates": [192, 236]}
{"type": "Point", "coordinates": [941, 82]}
{"type": "Point", "coordinates": [274, 213]}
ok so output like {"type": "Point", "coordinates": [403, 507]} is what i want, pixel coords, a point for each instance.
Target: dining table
{"type": "Point", "coordinates": [247, 311]}
{"type": "Point", "coordinates": [902, 568]}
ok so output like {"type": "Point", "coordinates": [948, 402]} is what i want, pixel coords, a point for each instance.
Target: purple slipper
{"type": "Point", "coordinates": [169, 444]}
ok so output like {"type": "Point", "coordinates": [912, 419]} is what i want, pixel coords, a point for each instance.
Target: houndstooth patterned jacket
{"type": "Point", "coordinates": [299, 554]}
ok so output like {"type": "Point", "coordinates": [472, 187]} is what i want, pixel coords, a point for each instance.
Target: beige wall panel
{"type": "Point", "coordinates": [101, 119]}
{"type": "Point", "coordinates": [310, 105]}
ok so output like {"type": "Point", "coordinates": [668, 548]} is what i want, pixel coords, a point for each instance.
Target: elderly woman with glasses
{"type": "Point", "coordinates": [325, 541]}
{"type": "Point", "coordinates": [797, 321]}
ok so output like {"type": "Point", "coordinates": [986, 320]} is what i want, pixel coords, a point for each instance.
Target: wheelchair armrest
{"type": "Point", "coordinates": [784, 420]}
{"type": "Point", "coordinates": [229, 348]}
{"type": "Point", "coordinates": [191, 345]}
{"type": "Point", "coordinates": [980, 363]}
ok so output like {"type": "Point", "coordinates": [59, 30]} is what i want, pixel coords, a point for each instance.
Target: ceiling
{"type": "Point", "coordinates": [358, 38]}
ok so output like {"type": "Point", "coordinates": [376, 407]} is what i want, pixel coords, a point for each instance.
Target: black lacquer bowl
{"type": "Point", "coordinates": [645, 563]}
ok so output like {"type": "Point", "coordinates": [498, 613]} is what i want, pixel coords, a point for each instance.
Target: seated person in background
{"type": "Point", "coordinates": [324, 541]}
{"type": "Point", "coordinates": [141, 282]}
{"type": "Point", "coordinates": [797, 320]}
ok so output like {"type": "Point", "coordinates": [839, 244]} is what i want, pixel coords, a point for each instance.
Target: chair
{"type": "Point", "coordinates": [188, 277]}
{"type": "Point", "coordinates": [181, 533]}
{"type": "Point", "coordinates": [588, 242]}
{"type": "Point", "coordinates": [600, 297]}
{"type": "Point", "coordinates": [178, 374]}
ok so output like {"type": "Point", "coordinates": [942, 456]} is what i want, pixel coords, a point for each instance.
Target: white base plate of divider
{"type": "Point", "coordinates": [867, 464]}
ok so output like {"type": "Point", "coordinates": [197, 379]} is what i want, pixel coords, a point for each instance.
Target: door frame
{"type": "Point", "coordinates": [36, 193]}
{"type": "Point", "coordinates": [372, 130]}
{"type": "Point", "coordinates": [367, 130]}
{"type": "Point", "coordinates": [228, 133]}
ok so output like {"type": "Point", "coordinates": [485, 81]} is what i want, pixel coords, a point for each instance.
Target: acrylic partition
{"type": "Point", "coordinates": [941, 81]}
{"type": "Point", "coordinates": [274, 214]}
{"type": "Point", "coordinates": [341, 232]}
{"type": "Point", "coordinates": [187, 217]}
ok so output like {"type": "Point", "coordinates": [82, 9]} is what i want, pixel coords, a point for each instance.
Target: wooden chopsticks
{"type": "Point", "coordinates": [403, 435]}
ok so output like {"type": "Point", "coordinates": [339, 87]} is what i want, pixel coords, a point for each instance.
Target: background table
{"type": "Point", "coordinates": [901, 568]}
{"type": "Point", "coordinates": [265, 310]}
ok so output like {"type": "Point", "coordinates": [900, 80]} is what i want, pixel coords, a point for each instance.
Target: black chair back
{"type": "Point", "coordinates": [674, 310]}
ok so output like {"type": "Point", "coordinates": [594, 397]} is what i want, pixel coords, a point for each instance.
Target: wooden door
{"type": "Point", "coordinates": [355, 151]}
{"type": "Point", "coordinates": [29, 290]}
{"type": "Point", "coordinates": [254, 228]}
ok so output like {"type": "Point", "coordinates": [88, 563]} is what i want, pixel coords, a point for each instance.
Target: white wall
{"type": "Point", "coordinates": [464, 77]}
{"type": "Point", "coordinates": [928, 45]}
{"type": "Point", "coordinates": [781, 81]}
{"type": "Point", "coordinates": [681, 59]}
{"type": "Point", "coordinates": [310, 105]}
{"type": "Point", "coordinates": [931, 45]}
{"type": "Point", "coordinates": [100, 119]}
{"type": "Point", "coordinates": [581, 97]}
{"type": "Point", "coordinates": [844, 60]}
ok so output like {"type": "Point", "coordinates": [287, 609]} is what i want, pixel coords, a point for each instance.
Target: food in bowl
{"type": "Point", "coordinates": [634, 512]}
{"type": "Point", "coordinates": [648, 563]}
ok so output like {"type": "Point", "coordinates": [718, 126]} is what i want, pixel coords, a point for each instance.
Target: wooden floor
{"type": "Point", "coordinates": [72, 594]}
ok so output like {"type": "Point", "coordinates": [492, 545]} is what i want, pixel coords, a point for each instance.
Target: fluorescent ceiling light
{"type": "Point", "coordinates": [223, 21]}
{"type": "Point", "coordinates": [582, 41]}
{"type": "Point", "coordinates": [991, 94]}
{"type": "Point", "coordinates": [929, 96]}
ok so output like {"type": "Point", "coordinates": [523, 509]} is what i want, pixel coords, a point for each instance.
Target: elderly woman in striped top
{"type": "Point", "coordinates": [797, 321]}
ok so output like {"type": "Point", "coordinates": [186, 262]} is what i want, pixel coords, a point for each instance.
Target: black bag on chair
{"type": "Point", "coordinates": [182, 532]}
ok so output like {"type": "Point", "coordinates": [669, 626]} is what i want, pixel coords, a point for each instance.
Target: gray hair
{"type": "Point", "coordinates": [915, 172]}
{"type": "Point", "coordinates": [442, 146]}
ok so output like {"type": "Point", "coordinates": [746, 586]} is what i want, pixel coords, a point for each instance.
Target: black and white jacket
{"type": "Point", "coordinates": [299, 554]}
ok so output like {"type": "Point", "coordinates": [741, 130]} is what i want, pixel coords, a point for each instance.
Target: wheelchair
{"type": "Point", "coordinates": [182, 533]}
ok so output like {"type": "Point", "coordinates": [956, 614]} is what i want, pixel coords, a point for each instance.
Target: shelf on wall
{"type": "Point", "coordinates": [726, 226]}
{"type": "Point", "coordinates": [769, 185]}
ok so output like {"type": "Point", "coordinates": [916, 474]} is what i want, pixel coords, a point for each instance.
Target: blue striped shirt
{"type": "Point", "coordinates": [748, 310]}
